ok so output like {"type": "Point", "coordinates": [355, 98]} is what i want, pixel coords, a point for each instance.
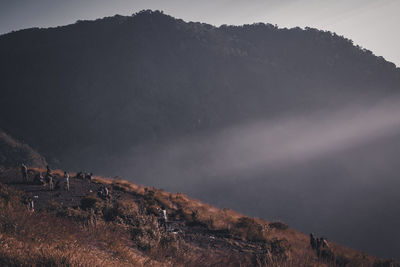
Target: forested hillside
{"type": "Point", "coordinates": [88, 91]}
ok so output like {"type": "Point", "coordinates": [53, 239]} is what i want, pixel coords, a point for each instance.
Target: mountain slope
{"type": "Point", "coordinates": [81, 228]}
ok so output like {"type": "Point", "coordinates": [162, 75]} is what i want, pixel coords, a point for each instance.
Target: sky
{"type": "Point", "coordinates": [372, 24]}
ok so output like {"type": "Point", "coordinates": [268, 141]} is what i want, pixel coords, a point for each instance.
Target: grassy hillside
{"type": "Point", "coordinates": [79, 228]}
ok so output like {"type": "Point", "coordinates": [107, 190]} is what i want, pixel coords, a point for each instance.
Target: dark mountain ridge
{"type": "Point", "coordinates": [150, 76]}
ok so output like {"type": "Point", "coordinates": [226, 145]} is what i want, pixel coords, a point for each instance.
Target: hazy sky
{"type": "Point", "coordinates": [373, 24]}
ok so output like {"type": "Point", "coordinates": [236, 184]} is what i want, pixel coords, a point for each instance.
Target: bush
{"type": "Point", "coordinates": [153, 210]}
{"type": "Point", "coordinates": [150, 198]}
{"type": "Point", "coordinates": [249, 229]}
{"type": "Point", "coordinates": [125, 211]}
{"type": "Point", "coordinates": [8, 225]}
{"type": "Point", "coordinates": [327, 255]}
{"type": "Point", "coordinates": [386, 263]}
{"type": "Point", "coordinates": [91, 202]}
{"type": "Point", "coordinates": [278, 247]}
{"type": "Point", "coordinates": [54, 206]}
{"type": "Point", "coordinates": [118, 187]}
{"type": "Point", "coordinates": [342, 260]}
{"type": "Point", "coordinates": [77, 215]}
{"type": "Point", "coordinates": [110, 214]}
{"type": "Point", "coordinates": [278, 225]}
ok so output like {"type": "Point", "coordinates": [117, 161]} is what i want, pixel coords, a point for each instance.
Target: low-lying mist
{"type": "Point", "coordinates": [268, 144]}
{"type": "Point", "coordinates": [333, 172]}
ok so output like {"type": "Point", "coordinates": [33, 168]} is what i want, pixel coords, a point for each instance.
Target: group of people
{"type": "Point", "coordinates": [104, 193]}
{"type": "Point", "coordinates": [48, 179]}
{"type": "Point", "coordinates": [318, 243]}
{"type": "Point", "coordinates": [84, 175]}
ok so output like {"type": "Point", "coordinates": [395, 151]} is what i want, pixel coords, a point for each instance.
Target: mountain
{"type": "Point", "coordinates": [82, 227]}
{"type": "Point", "coordinates": [95, 88]}
{"type": "Point", "coordinates": [291, 124]}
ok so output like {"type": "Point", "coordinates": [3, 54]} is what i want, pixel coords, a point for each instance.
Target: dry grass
{"type": "Point", "coordinates": [41, 239]}
{"type": "Point", "coordinates": [127, 233]}
{"type": "Point", "coordinates": [255, 229]}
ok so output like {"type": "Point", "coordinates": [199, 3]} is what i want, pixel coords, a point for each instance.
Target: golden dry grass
{"type": "Point", "coordinates": [40, 239]}
{"type": "Point", "coordinates": [300, 254]}
{"type": "Point", "coordinates": [131, 236]}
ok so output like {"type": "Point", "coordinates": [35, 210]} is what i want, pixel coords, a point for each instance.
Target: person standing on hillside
{"type": "Point", "coordinates": [324, 242]}
{"type": "Point", "coordinates": [51, 184]}
{"type": "Point", "coordinates": [31, 205]}
{"type": "Point", "coordinates": [89, 177]}
{"type": "Point", "coordinates": [108, 197]}
{"type": "Point", "coordinates": [66, 179]}
{"type": "Point", "coordinates": [164, 218]}
{"type": "Point", "coordinates": [24, 172]}
{"type": "Point", "coordinates": [313, 241]}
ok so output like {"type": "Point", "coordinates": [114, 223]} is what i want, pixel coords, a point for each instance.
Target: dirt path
{"type": "Point", "coordinates": [42, 194]}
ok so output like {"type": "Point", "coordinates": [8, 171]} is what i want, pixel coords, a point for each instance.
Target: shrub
{"type": "Point", "coordinates": [386, 263]}
{"type": "Point", "coordinates": [53, 206]}
{"type": "Point", "coordinates": [249, 229]}
{"type": "Point", "coordinates": [77, 215]}
{"type": "Point", "coordinates": [8, 225]}
{"type": "Point", "coordinates": [279, 225]}
{"type": "Point", "coordinates": [153, 210]}
{"type": "Point", "coordinates": [124, 211]}
{"type": "Point", "coordinates": [278, 247]}
{"type": "Point", "coordinates": [342, 260]}
{"type": "Point", "coordinates": [150, 199]}
{"type": "Point", "coordinates": [119, 187]}
{"type": "Point", "coordinates": [245, 222]}
{"type": "Point", "coordinates": [327, 255]}
{"type": "Point", "coordinates": [110, 214]}
{"type": "Point", "coordinates": [91, 202]}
